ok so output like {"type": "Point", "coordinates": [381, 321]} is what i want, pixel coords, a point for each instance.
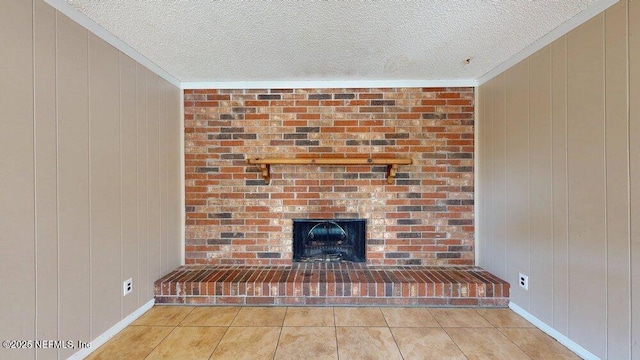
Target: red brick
{"type": "Point", "coordinates": [332, 128]}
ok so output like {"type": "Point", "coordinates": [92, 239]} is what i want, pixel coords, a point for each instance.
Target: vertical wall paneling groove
{"type": "Point", "coordinates": [173, 176]}
{"type": "Point", "coordinates": [162, 128]}
{"type": "Point", "coordinates": [479, 149]}
{"type": "Point", "coordinates": [490, 215]}
{"type": "Point", "coordinates": [34, 159]}
{"type": "Point", "coordinates": [560, 265]}
{"type": "Point", "coordinates": [182, 179]}
{"type": "Point", "coordinates": [617, 182]}
{"type": "Point", "coordinates": [584, 179]}
{"type": "Point", "coordinates": [154, 214]}
{"type": "Point", "coordinates": [540, 178]}
{"type": "Point", "coordinates": [170, 116]}
{"type": "Point", "coordinates": [587, 217]}
{"type": "Point", "coordinates": [57, 94]}
{"type": "Point", "coordinates": [517, 189]}
{"type": "Point", "coordinates": [143, 190]}
{"type": "Point", "coordinates": [634, 169]}
{"type": "Point", "coordinates": [501, 127]}
{"type": "Point", "coordinates": [499, 178]}
{"type": "Point", "coordinates": [174, 168]}
{"type": "Point", "coordinates": [90, 238]}
{"type": "Point", "coordinates": [162, 171]}
{"type": "Point", "coordinates": [105, 184]}
{"type": "Point", "coordinates": [73, 170]}
{"type": "Point", "coordinates": [46, 183]}
{"type": "Point", "coordinates": [487, 164]}
{"type": "Point", "coordinates": [17, 175]}
{"type": "Point", "coordinates": [129, 181]}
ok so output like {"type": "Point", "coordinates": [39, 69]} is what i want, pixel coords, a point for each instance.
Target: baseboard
{"type": "Point", "coordinates": [570, 344]}
{"type": "Point", "coordinates": [100, 340]}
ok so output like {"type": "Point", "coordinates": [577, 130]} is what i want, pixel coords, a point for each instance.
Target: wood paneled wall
{"type": "Point", "coordinates": [90, 180]}
{"type": "Point", "coordinates": [559, 181]}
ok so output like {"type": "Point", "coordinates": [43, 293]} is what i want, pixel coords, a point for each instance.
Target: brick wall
{"type": "Point", "coordinates": [425, 217]}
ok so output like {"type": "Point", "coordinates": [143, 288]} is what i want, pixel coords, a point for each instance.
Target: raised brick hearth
{"type": "Point", "coordinates": [331, 284]}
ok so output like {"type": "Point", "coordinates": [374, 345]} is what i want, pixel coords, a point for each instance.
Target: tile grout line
{"type": "Point", "coordinates": [166, 336]}
{"type": "Point", "coordinates": [503, 334]}
{"type": "Point", "coordinates": [508, 338]}
{"type": "Point", "coordinates": [169, 333]}
{"type": "Point", "coordinates": [391, 332]}
{"type": "Point", "coordinates": [335, 332]}
{"type": "Point", "coordinates": [392, 335]}
{"type": "Point", "coordinates": [223, 335]}
{"type": "Point", "coordinates": [218, 343]}
{"type": "Point", "coordinates": [275, 351]}
{"type": "Point", "coordinates": [454, 342]}
{"type": "Point", "coordinates": [161, 341]}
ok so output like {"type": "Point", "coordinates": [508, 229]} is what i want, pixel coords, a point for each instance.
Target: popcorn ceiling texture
{"type": "Point", "coordinates": [424, 218]}
{"type": "Point", "coordinates": [222, 41]}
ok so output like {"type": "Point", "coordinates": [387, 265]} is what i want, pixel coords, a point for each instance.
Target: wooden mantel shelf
{"type": "Point", "coordinates": [392, 164]}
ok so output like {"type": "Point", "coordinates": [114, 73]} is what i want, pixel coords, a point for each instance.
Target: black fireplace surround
{"type": "Point", "coordinates": [329, 240]}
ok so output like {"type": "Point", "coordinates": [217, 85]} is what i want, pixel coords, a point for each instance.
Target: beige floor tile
{"type": "Point", "coordinates": [503, 318]}
{"type": "Point", "coordinates": [485, 344]}
{"type": "Point", "coordinates": [260, 316]}
{"type": "Point", "coordinates": [189, 343]}
{"type": "Point", "coordinates": [537, 344]}
{"type": "Point", "coordinates": [134, 342]}
{"type": "Point", "coordinates": [459, 318]}
{"type": "Point", "coordinates": [211, 316]}
{"type": "Point", "coordinates": [309, 316]}
{"type": "Point", "coordinates": [363, 316]}
{"type": "Point", "coordinates": [409, 317]}
{"type": "Point", "coordinates": [164, 315]}
{"type": "Point", "coordinates": [307, 343]}
{"type": "Point", "coordinates": [366, 343]}
{"type": "Point", "coordinates": [426, 343]}
{"type": "Point", "coordinates": [247, 343]}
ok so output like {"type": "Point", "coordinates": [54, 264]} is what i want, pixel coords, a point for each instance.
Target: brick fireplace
{"type": "Point", "coordinates": [398, 160]}
{"type": "Point", "coordinates": [424, 217]}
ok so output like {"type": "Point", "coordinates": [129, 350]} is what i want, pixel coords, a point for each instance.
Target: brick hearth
{"type": "Point", "coordinates": [331, 284]}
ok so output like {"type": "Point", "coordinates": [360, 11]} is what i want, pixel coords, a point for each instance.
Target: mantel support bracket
{"type": "Point", "coordinates": [266, 173]}
{"type": "Point", "coordinates": [392, 170]}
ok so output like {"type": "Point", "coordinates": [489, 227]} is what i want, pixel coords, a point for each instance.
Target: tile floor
{"type": "Point", "coordinates": [185, 332]}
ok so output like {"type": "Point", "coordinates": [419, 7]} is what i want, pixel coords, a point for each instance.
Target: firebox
{"type": "Point", "coordinates": [329, 240]}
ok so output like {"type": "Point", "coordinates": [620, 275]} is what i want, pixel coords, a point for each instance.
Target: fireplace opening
{"type": "Point", "coordinates": [329, 240]}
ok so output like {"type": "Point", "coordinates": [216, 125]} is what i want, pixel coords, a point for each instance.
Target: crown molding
{"type": "Point", "coordinates": [333, 84]}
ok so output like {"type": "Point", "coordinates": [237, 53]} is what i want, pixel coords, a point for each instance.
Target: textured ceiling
{"type": "Point", "coordinates": [224, 41]}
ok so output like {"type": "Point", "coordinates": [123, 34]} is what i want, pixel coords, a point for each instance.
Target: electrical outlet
{"type": "Point", "coordinates": [127, 286]}
{"type": "Point", "coordinates": [523, 281]}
